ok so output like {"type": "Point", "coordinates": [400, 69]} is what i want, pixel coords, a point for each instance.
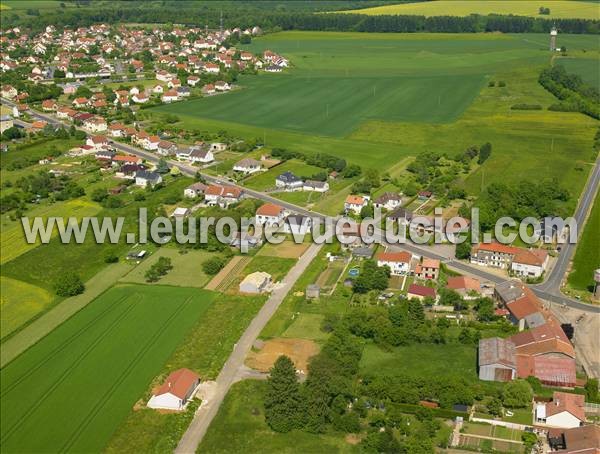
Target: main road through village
{"type": "Point", "coordinates": [549, 290]}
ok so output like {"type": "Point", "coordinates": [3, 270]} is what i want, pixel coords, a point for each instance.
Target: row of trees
{"type": "Point", "coordinates": [158, 269]}
{"type": "Point", "coordinates": [245, 15]}
{"type": "Point", "coordinates": [574, 94]}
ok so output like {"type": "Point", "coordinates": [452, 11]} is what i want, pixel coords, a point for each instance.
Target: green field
{"type": "Point", "coordinates": [412, 115]}
{"type": "Point", "coordinates": [74, 387]}
{"type": "Point", "coordinates": [558, 8]}
{"type": "Point", "coordinates": [422, 360]}
{"type": "Point", "coordinates": [587, 68]}
{"type": "Point", "coordinates": [587, 255]}
{"type": "Point", "coordinates": [186, 272]}
{"type": "Point", "coordinates": [19, 301]}
{"type": "Point", "coordinates": [240, 427]}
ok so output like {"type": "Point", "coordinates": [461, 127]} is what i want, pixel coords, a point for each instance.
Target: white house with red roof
{"type": "Point", "coordinates": [97, 142]}
{"type": "Point", "coordinates": [398, 262]}
{"type": "Point", "coordinates": [176, 391]}
{"type": "Point", "coordinates": [270, 214]}
{"type": "Point", "coordinates": [355, 203]}
{"type": "Point", "coordinates": [565, 411]}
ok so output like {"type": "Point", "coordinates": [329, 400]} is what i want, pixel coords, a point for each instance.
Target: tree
{"type": "Point", "coordinates": [69, 284]}
{"type": "Point", "coordinates": [495, 407]}
{"type": "Point", "coordinates": [485, 310]}
{"type": "Point", "coordinates": [99, 195]}
{"type": "Point", "coordinates": [484, 152]}
{"type": "Point", "coordinates": [111, 258]}
{"type": "Point", "coordinates": [162, 167]}
{"type": "Point", "coordinates": [283, 403]}
{"type": "Point", "coordinates": [517, 394]}
{"type": "Point", "coordinates": [591, 390]}
{"type": "Point", "coordinates": [213, 265]}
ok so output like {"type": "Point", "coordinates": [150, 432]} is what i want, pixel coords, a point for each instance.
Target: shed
{"type": "Point", "coordinates": [312, 291]}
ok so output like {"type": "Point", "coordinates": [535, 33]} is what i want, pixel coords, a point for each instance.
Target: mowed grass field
{"type": "Point", "coordinates": [421, 359]}
{"type": "Point", "coordinates": [74, 387]}
{"type": "Point", "coordinates": [558, 8]}
{"type": "Point", "coordinates": [587, 255]}
{"type": "Point", "coordinates": [186, 272]}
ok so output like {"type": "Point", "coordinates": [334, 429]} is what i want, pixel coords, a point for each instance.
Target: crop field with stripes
{"type": "Point", "coordinates": [74, 387]}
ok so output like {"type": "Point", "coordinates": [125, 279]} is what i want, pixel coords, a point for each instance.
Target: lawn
{"type": "Point", "coordinates": [240, 427]}
{"type": "Point", "coordinates": [277, 267]}
{"type": "Point", "coordinates": [74, 386]}
{"type": "Point", "coordinates": [558, 9]}
{"type": "Point", "coordinates": [422, 360]}
{"type": "Point", "coordinates": [306, 326]}
{"type": "Point", "coordinates": [587, 255]}
{"type": "Point", "coordinates": [18, 302]}
{"type": "Point", "coordinates": [288, 250]}
{"type": "Point", "coordinates": [186, 272]}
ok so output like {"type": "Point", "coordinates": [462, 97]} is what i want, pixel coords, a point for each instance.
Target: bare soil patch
{"type": "Point", "coordinates": [298, 350]}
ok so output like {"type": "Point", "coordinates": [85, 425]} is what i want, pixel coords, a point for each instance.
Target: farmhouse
{"type": "Point", "coordinates": [247, 166]}
{"type": "Point", "coordinates": [270, 215]}
{"type": "Point", "coordinates": [566, 411]}
{"type": "Point", "coordinates": [177, 390]}
{"type": "Point", "coordinates": [257, 282]}
{"type": "Point", "coordinates": [355, 203]}
{"type": "Point", "coordinates": [288, 181]}
{"type": "Point", "coordinates": [398, 262]}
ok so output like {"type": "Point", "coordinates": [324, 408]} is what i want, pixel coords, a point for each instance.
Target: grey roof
{"type": "Point", "coordinates": [147, 175]}
{"type": "Point", "coordinates": [534, 320]}
{"type": "Point", "coordinates": [509, 290]}
{"type": "Point", "coordinates": [401, 213]}
{"type": "Point", "coordinates": [5, 117]}
{"type": "Point", "coordinates": [288, 177]}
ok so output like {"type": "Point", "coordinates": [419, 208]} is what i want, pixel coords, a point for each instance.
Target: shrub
{"type": "Point", "coordinates": [69, 284]}
{"type": "Point", "coordinates": [213, 265]}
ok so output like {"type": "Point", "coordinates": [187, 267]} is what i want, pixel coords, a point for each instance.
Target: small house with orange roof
{"type": "Point", "coordinates": [176, 392]}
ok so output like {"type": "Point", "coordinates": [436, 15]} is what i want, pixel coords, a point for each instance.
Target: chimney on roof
{"type": "Point", "coordinates": [169, 385]}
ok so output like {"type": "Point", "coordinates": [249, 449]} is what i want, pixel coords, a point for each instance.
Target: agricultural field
{"type": "Point", "coordinates": [559, 9]}
{"type": "Point", "coordinates": [397, 95]}
{"type": "Point", "coordinates": [240, 427]}
{"type": "Point", "coordinates": [143, 324]}
{"type": "Point", "coordinates": [587, 254]}
{"type": "Point", "coordinates": [19, 301]}
{"type": "Point", "coordinates": [220, 327]}
{"type": "Point", "coordinates": [421, 359]}
{"type": "Point", "coordinates": [186, 272]}
{"type": "Point", "coordinates": [587, 68]}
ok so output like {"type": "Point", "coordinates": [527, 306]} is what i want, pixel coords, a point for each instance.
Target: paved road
{"type": "Point", "coordinates": [235, 364]}
{"type": "Point", "coordinates": [554, 279]}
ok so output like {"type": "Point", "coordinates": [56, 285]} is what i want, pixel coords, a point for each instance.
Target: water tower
{"type": "Point", "coordinates": [597, 284]}
{"type": "Point", "coordinates": [553, 34]}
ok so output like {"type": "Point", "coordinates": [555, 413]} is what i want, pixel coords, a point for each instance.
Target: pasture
{"type": "Point", "coordinates": [74, 387]}
{"type": "Point", "coordinates": [559, 9]}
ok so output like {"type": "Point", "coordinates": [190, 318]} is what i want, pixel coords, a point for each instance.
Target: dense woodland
{"type": "Point", "coordinates": [286, 16]}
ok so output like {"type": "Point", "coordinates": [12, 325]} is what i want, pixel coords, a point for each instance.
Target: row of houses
{"type": "Point", "coordinates": [527, 263]}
